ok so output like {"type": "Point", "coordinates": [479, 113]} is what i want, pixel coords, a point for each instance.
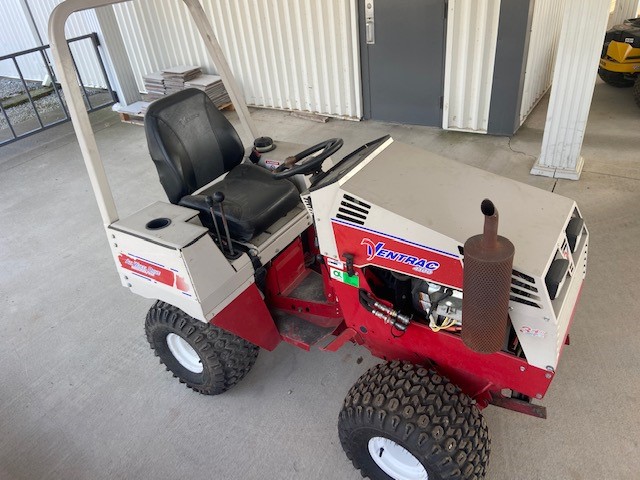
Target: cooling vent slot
{"type": "Point", "coordinates": [523, 301]}
{"type": "Point", "coordinates": [524, 293]}
{"type": "Point", "coordinates": [523, 289]}
{"type": "Point", "coordinates": [307, 203]}
{"type": "Point", "coordinates": [353, 210]}
{"type": "Point", "coordinates": [524, 276]}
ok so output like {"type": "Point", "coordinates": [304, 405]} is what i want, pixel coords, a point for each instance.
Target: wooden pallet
{"type": "Point", "coordinates": [139, 119]}
{"type": "Point", "coordinates": [131, 118]}
{"type": "Point", "coordinates": [227, 106]}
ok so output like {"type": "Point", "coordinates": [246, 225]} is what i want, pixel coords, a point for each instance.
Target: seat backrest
{"type": "Point", "coordinates": [190, 141]}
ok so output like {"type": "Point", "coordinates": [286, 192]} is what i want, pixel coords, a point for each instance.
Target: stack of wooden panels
{"type": "Point", "coordinates": [175, 77]}
{"type": "Point", "coordinates": [154, 85]}
{"type": "Point", "coordinates": [212, 86]}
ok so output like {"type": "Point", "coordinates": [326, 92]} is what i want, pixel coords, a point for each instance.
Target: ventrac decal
{"type": "Point", "coordinates": [153, 271]}
{"type": "Point", "coordinates": [533, 332]}
{"type": "Point", "coordinates": [421, 265]}
{"type": "Point", "coordinates": [370, 247]}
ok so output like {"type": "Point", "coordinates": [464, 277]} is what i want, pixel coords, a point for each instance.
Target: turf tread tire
{"type": "Point", "coordinates": [423, 412]}
{"type": "Point", "coordinates": [636, 91]}
{"type": "Point", "coordinates": [615, 79]}
{"type": "Point", "coordinates": [226, 358]}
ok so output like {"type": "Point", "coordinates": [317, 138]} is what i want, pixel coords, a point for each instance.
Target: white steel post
{"type": "Point", "coordinates": [75, 103]}
{"type": "Point", "coordinates": [122, 78]}
{"type": "Point", "coordinates": [215, 52]}
{"type": "Point", "coordinates": [583, 27]}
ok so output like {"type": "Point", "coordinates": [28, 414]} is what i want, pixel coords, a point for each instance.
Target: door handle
{"type": "Point", "coordinates": [369, 19]}
{"type": "Point", "coordinates": [370, 32]}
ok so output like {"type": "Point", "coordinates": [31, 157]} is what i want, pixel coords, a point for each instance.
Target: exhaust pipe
{"type": "Point", "coordinates": [486, 284]}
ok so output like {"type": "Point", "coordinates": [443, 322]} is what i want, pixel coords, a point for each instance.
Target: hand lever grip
{"type": "Point", "coordinates": [210, 203]}
{"type": "Point", "coordinates": [218, 197]}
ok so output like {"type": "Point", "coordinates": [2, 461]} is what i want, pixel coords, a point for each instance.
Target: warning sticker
{"type": "Point", "coordinates": [271, 164]}
{"type": "Point", "coordinates": [344, 277]}
{"type": "Point", "coordinates": [335, 263]}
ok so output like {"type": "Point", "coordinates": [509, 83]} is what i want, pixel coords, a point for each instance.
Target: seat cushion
{"type": "Point", "coordinates": [254, 200]}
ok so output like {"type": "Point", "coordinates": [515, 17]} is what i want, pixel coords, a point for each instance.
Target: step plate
{"type": "Point", "coordinates": [310, 289]}
{"type": "Point", "coordinates": [299, 332]}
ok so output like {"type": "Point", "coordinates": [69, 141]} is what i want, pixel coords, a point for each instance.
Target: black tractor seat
{"type": "Point", "coordinates": [253, 200]}
{"type": "Point", "coordinates": [192, 143]}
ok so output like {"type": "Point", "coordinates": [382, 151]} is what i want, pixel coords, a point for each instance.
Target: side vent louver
{"type": "Point", "coordinates": [523, 289]}
{"type": "Point", "coordinates": [353, 210]}
{"type": "Point", "coordinates": [574, 230]}
{"type": "Point", "coordinates": [307, 203]}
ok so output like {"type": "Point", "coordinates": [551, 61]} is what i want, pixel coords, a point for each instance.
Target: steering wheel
{"type": "Point", "coordinates": [291, 167]}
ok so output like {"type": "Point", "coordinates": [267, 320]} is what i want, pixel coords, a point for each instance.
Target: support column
{"type": "Point", "coordinates": [624, 9]}
{"type": "Point", "coordinates": [28, 15]}
{"type": "Point", "coordinates": [583, 27]}
{"type": "Point", "coordinates": [119, 68]}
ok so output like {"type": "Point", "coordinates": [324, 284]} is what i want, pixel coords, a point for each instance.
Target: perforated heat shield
{"type": "Point", "coordinates": [488, 262]}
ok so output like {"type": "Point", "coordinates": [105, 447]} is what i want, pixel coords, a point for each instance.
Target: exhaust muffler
{"type": "Point", "coordinates": [488, 261]}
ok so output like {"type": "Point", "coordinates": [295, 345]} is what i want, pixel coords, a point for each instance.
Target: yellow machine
{"type": "Point", "coordinates": [620, 59]}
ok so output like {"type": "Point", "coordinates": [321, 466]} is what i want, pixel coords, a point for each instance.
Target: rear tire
{"type": "Point", "coordinates": [206, 358]}
{"type": "Point", "coordinates": [615, 79]}
{"type": "Point", "coordinates": [401, 421]}
{"type": "Point", "coordinates": [636, 91]}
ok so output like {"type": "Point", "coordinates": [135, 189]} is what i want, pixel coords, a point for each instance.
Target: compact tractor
{"type": "Point", "coordinates": [392, 248]}
{"type": "Point", "coordinates": [620, 59]}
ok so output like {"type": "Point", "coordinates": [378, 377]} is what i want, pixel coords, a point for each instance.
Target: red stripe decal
{"type": "Point", "coordinates": [369, 248]}
{"type": "Point", "coordinates": [154, 272]}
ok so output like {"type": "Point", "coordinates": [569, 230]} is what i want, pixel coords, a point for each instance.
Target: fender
{"type": "Point", "coordinates": [248, 317]}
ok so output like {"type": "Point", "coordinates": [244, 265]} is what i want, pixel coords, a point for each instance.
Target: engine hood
{"type": "Point", "coordinates": [406, 186]}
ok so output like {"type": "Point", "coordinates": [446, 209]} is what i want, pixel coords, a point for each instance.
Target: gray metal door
{"type": "Point", "coordinates": [402, 45]}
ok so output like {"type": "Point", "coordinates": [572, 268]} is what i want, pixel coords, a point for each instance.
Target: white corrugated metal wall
{"type": "Point", "coordinates": [472, 32]}
{"type": "Point", "coordinates": [288, 54]}
{"type": "Point", "coordinates": [620, 10]}
{"type": "Point", "coordinates": [543, 46]}
{"type": "Point", "coordinates": [16, 35]}
{"type": "Point", "coordinates": [79, 24]}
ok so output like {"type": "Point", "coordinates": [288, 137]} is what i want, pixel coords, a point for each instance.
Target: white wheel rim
{"type": "Point", "coordinates": [395, 460]}
{"type": "Point", "coordinates": [184, 353]}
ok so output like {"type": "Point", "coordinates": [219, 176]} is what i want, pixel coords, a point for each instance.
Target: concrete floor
{"type": "Point", "coordinates": [83, 397]}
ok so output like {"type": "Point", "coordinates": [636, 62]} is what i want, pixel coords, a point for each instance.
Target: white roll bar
{"type": "Point", "coordinates": [78, 112]}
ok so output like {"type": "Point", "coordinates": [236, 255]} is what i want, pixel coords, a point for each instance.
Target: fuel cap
{"type": "Point", "coordinates": [264, 144]}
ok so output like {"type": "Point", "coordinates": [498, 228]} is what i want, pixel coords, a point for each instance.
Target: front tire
{"type": "Point", "coordinates": [205, 358]}
{"type": "Point", "coordinates": [636, 91]}
{"type": "Point", "coordinates": [615, 79]}
{"type": "Point", "coordinates": [403, 422]}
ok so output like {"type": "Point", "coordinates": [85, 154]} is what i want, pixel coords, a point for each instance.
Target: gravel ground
{"type": "Point", "coordinates": [24, 112]}
{"type": "Point", "coordinates": [10, 87]}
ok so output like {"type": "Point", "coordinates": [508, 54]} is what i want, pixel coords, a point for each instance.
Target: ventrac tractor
{"type": "Point", "coordinates": [390, 247]}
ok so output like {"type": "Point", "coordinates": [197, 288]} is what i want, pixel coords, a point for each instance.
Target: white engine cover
{"type": "Point", "coordinates": [409, 210]}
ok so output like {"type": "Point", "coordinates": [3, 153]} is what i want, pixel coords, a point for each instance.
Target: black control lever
{"type": "Point", "coordinates": [210, 204]}
{"type": "Point", "coordinates": [349, 257]}
{"type": "Point", "coordinates": [218, 197]}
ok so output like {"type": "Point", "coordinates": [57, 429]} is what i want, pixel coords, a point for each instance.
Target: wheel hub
{"type": "Point", "coordinates": [184, 353]}
{"type": "Point", "coordinates": [395, 460]}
